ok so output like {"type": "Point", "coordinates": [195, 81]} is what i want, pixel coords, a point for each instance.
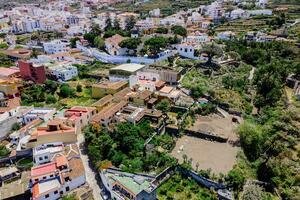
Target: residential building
{"type": "Point", "coordinates": [8, 115]}
{"type": "Point", "coordinates": [79, 116]}
{"type": "Point", "coordinates": [169, 92]}
{"type": "Point", "coordinates": [122, 185]}
{"type": "Point", "coordinates": [103, 102]}
{"type": "Point", "coordinates": [33, 113]}
{"type": "Point", "coordinates": [30, 71]}
{"type": "Point", "coordinates": [56, 46]}
{"type": "Point", "coordinates": [106, 116]}
{"type": "Point", "coordinates": [10, 87]}
{"type": "Point", "coordinates": [140, 98]}
{"type": "Point", "coordinates": [45, 153]}
{"type": "Point", "coordinates": [55, 179]}
{"type": "Point", "coordinates": [238, 14]}
{"type": "Point", "coordinates": [197, 37]}
{"type": "Point", "coordinates": [124, 71]}
{"type": "Point", "coordinates": [105, 88]}
{"type": "Point", "coordinates": [166, 74]}
{"type": "Point", "coordinates": [188, 49]}
{"type": "Point", "coordinates": [112, 45]}
{"type": "Point", "coordinates": [8, 174]}
{"type": "Point", "coordinates": [55, 131]}
{"type": "Point", "coordinates": [62, 72]}
{"type": "Point", "coordinates": [227, 35]}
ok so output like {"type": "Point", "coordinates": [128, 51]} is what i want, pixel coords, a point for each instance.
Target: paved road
{"type": "Point", "coordinates": [91, 176]}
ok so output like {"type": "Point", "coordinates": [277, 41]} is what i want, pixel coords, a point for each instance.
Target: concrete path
{"type": "Point", "coordinates": [92, 178]}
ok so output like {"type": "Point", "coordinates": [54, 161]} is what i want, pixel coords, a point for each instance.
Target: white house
{"type": "Point", "coordinates": [56, 46]}
{"type": "Point", "coordinates": [63, 72]}
{"type": "Point", "coordinates": [215, 10]}
{"type": "Point", "coordinates": [238, 13]}
{"type": "Point", "coordinates": [188, 49]}
{"type": "Point", "coordinates": [33, 113]}
{"type": "Point", "coordinates": [197, 37]}
{"type": "Point", "coordinates": [112, 45]}
{"type": "Point", "coordinates": [45, 153]}
{"type": "Point", "coordinates": [51, 181]}
{"type": "Point", "coordinates": [262, 3]}
{"type": "Point", "coordinates": [227, 35]}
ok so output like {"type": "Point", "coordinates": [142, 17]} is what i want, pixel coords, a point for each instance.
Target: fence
{"type": "Point", "coordinates": [106, 58]}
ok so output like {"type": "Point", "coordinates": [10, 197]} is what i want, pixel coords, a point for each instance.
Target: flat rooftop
{"type": "Point", "coordinates": [134, 183]}
{"type": "Point", "coordinates": [130, 67]}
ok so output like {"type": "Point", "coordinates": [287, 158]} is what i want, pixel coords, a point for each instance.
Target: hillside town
{"type": "Point", "coordinates": [150, 99]}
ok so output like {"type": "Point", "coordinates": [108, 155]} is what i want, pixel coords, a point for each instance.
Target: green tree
{"type": "Point", "coordinates": [90, 37]}
{"type": "Point", "coordinates": [251, 139]}
{"type": "Point", "coordinates": [79, 88]}
{"type": "Point", "coordinates": [99, 43]}
{"type": "Point", "coordinates": [179, 30]}
{"type": "Point", "coordinates": [66, 91]}
{"type": "Point", "coordinates": [164, 105]}
{"type": "Point", "coordinates": [16, 126]}
{"type": "Point", "coordinates": [162, 30]}
{"type": "Point", "coordinates": [252, 192]}
{"type": "Point", "coordinates": [211, 50]}
{"type": "Point", "coordinates": [235, 179]}
{"type": "Point", "coordinates": [155, 44]}
{"type": "Point", "coordinates": [130, 43]}
{"type": "Point", "coordinates": [3, 151]}
{"type": "Point", "coordinates": [50, 99]}
{"type": "Point", "coordinates": [73, 42]}
{"type": "Point", "coordinates": [34, 53]}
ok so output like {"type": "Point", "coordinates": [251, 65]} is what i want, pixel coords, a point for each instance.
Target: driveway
{"type": "Point", "coordinates": [92, 178]}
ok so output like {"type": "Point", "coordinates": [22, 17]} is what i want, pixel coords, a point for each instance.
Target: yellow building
{"type": "Point", "coordinates": [55, 131]}
{"type": "Point", "coordinates": [103, 102]}
{"type": "Point", "coordinates": [102, 89]}
{"type": "Point", "coordinates": [9, 87]}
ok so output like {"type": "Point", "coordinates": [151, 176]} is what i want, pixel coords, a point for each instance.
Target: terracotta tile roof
{"type": "Point", "coordinates": [77, 168]}
{"type": "Point", "coordinates": [166, 89]}
{"type": "Point", "coordinates": [104, 100]}
{"type": "Point", "coordinates": [109, 111]}
{"type": "Point", "coordinates": [43, 169]}
{"type": "Point", "coordinates": [116, 39]}
{"type": "Point", "coordinates": [61, 161]}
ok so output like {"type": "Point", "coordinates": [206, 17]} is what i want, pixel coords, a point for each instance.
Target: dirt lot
{"type": "Point", "coordinates": [216, 125]}
{"type": "Point", "coordinates": [220, 157]}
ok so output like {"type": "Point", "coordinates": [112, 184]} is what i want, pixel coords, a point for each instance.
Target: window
{"type": "Point", "coordinates": [55, 192]}
{"type": "Point", "coordinates": [67, 188]}
{"type": "Point", "coordinates": [61, 192]}
{"type": "Point", "coordinates": [47, 196]}
{"type": "Point", "coordinates": [44, 177]}
{"type": "Point", "coordinates": [40, 158]}
{"type": "Point", "coordinates": [46, 157]}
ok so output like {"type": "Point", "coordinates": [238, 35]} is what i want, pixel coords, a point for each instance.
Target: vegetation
{"type": "Point", "coordinates": [179, 30]}
{"type": "Point", "coordinates": [180, 187]}
{"type": "Point", "coordinates": [130, 43]}
{"type": "Point", "coordinates": [5, 61]}
{"type": "Point", "coordinates": [3, 151]}
{"type": "Point", "coordinates": [196, 82]}
{"type": "Point", "coordinates": [163, 105]}
{"type": "Point", "coordinates": [124, 147]}
{"type": "Point", "coordinates": [155, 44]}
